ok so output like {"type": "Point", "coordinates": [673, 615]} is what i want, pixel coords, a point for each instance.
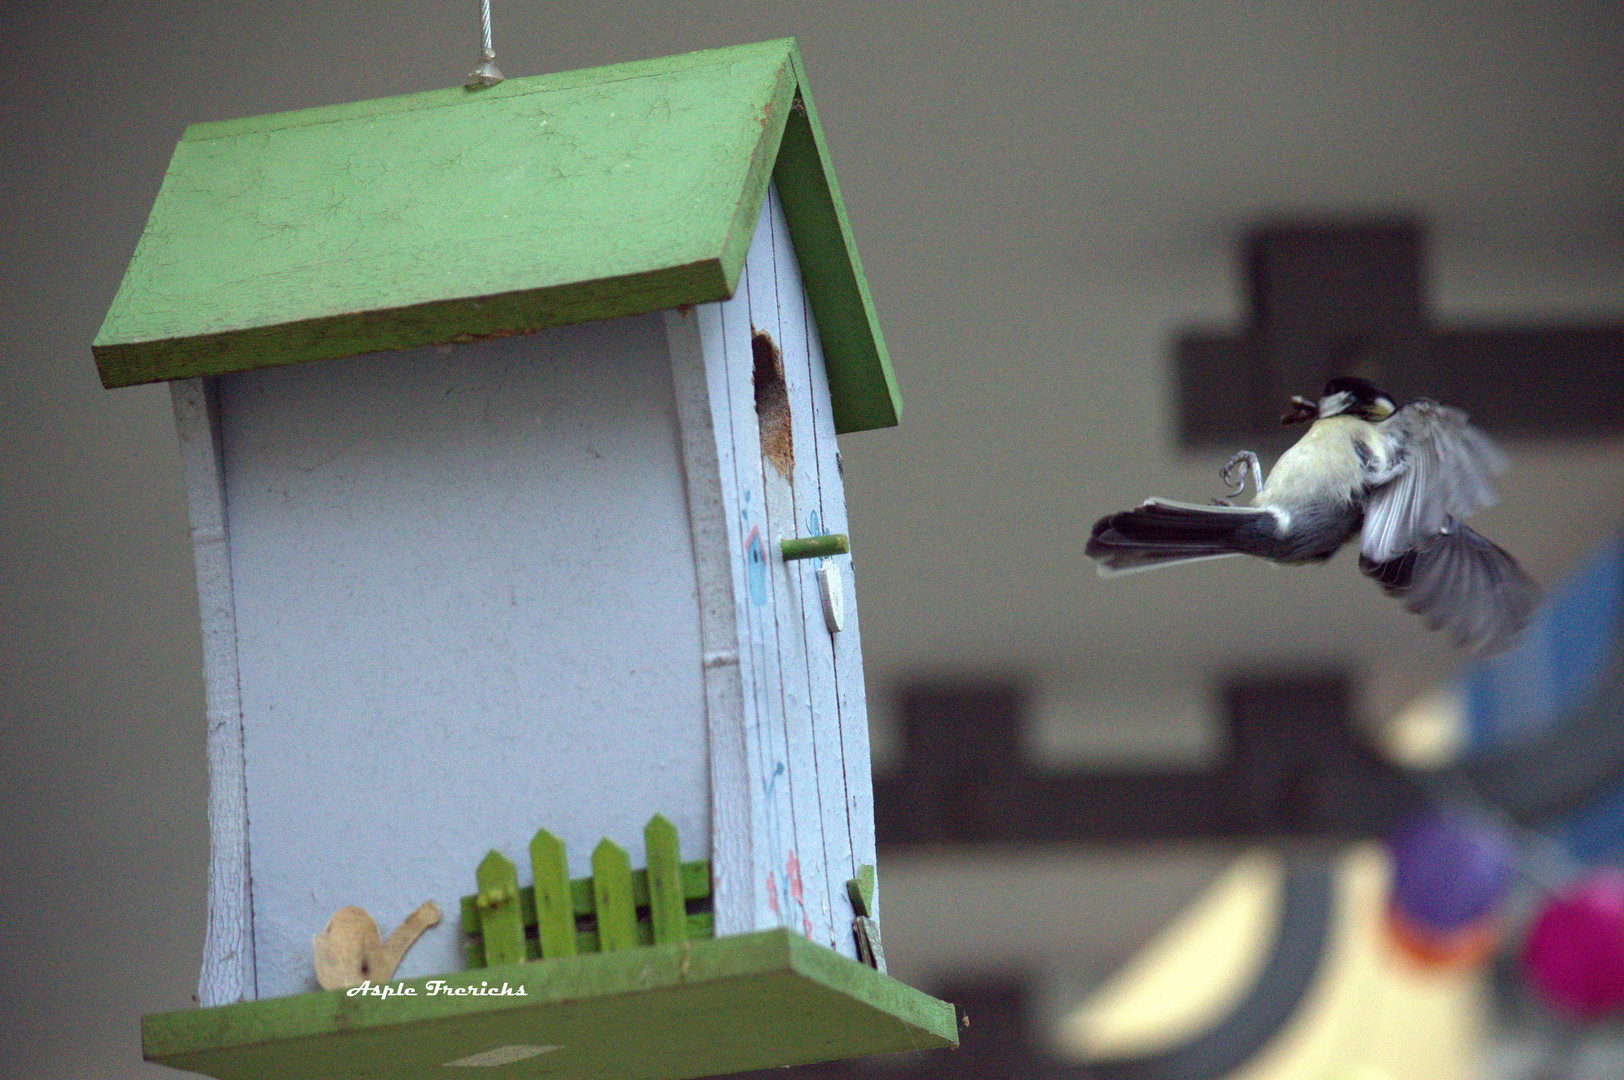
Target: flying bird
{"type": "Point", "coordinates": [1399, 479]}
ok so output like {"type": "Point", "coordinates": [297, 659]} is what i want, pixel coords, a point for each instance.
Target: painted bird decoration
{"type": "Point", "coordinates": [1401, 480]}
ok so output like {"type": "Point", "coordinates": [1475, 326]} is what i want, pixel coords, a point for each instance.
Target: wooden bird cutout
{"type": "Point", "coordinates": [349, 952]}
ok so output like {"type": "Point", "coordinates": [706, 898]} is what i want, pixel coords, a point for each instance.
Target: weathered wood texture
{"type": "Point", "coordinates": [738, 823]}
{"type": "Point", "coordinates": [798, 826]}
{"type": "Point", "coordinates": [228, 946]}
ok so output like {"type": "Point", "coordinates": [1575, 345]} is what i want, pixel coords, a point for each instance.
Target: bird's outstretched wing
{"type": "Point", "coordinates": [1447, 472]}
{"type": "Point", "coordinates": [1414, 544]}
{"type": "Point", "coordinates": [1462, 584]}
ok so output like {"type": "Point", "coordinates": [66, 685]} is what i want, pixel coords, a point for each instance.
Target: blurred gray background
{"type": "Point", "coordinates": [1042, 194]}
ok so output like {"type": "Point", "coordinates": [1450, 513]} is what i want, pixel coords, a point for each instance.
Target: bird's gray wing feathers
{"type": "Point", "coordinates": [1442, 468]}
{"type": "Point", "coordinates": [1460, 583]}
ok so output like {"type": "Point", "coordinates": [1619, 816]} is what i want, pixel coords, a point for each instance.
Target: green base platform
{"type": "Point", "coordinates": [662, 1012]}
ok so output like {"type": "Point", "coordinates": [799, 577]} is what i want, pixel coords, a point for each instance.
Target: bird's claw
{"type": "Point", "coordinates": [1235, 472]}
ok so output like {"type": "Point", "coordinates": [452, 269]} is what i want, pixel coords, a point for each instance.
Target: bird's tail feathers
{"type": "Point", "coordinates": [1162, 532]}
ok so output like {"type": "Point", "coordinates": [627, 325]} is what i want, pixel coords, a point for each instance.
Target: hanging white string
{"type": "Point", "coordinates": [485, 73]}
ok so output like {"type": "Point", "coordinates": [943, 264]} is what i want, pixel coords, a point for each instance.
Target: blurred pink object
{"type": "Point", "coordinates": [1574, 955]}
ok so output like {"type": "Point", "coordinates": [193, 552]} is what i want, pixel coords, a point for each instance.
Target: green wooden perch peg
{"type": "Point", "coordinates": [814, 547]}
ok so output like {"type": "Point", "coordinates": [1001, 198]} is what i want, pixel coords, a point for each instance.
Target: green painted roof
{"type": "Point", "coordinates": [458, 214]}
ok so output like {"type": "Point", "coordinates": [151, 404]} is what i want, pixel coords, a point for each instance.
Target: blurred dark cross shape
{"type": "Point", "coordinates": [1294, 763]}
{"type": "Point", "coordinates": [1349, 298]}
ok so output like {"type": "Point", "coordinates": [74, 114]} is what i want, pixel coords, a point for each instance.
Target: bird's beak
{"type": "Point", "coordinates": [1302, 410]}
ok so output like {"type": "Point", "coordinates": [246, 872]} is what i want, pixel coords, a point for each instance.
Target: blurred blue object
{"type": "Point", "coordinates": [1451, 867]}
{"type": "Point", "coordinates": [1545, 720]}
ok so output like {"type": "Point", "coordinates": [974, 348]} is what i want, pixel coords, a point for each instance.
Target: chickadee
{"type": "Point", "coordinates": [1398, 478]}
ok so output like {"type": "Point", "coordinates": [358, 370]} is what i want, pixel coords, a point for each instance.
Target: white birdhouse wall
{"type": "Point", "coordinates": [793, 796]}
{"type": "Point", "coordinates": [464, 608]}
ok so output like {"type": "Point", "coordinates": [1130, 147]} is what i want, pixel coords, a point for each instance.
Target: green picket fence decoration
{"type": "Point", "coordinates": [498, 907]}
{"type": "Point", "coordinates": [666, 912]}
{"type": "Point", "coordinates": [555, 909]}
{"type": "Point", "coordinates": [616, 908]}
{"type": "Point", "coordinates": [612, 897]}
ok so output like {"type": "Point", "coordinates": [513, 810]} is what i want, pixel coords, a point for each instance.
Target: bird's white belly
{"type": "Point", "coordinates": [1322, 465]}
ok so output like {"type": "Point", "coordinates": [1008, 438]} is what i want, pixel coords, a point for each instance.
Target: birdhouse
{"type": "Point", "coordinates": [509, 424]}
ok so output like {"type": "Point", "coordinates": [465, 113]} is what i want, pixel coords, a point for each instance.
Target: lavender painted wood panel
{"type": "Point", "coordinates": [817, 483]}
{"type": "Point", "coordinates": [851, 696]}
{"type": "Point", "coordinates": [803, 865]}
{"type": "Point", "coordinates": [758, 644]}
{"type": "Point", "coordinates": [801, 690]}
{"type": "Point", "coordinates": [228, 945]}
{"type": "Point", "coordinates": [465, 607]}
{"type": "Point", "coordinates": [738, 823]}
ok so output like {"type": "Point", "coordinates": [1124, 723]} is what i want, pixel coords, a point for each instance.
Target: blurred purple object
{"type": "Point", "coordinates": [1450, 869]}
{"type": "Point", "coordinates": [1574, 955]}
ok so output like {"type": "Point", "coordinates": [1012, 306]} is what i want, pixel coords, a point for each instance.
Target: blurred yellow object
{"type": "Point", "coordinates": [1359, 1072]}
{"type": "Point", "coordinates": [1165, 994]}
{"type": "Point", "coordinates": [1371, 1014]}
